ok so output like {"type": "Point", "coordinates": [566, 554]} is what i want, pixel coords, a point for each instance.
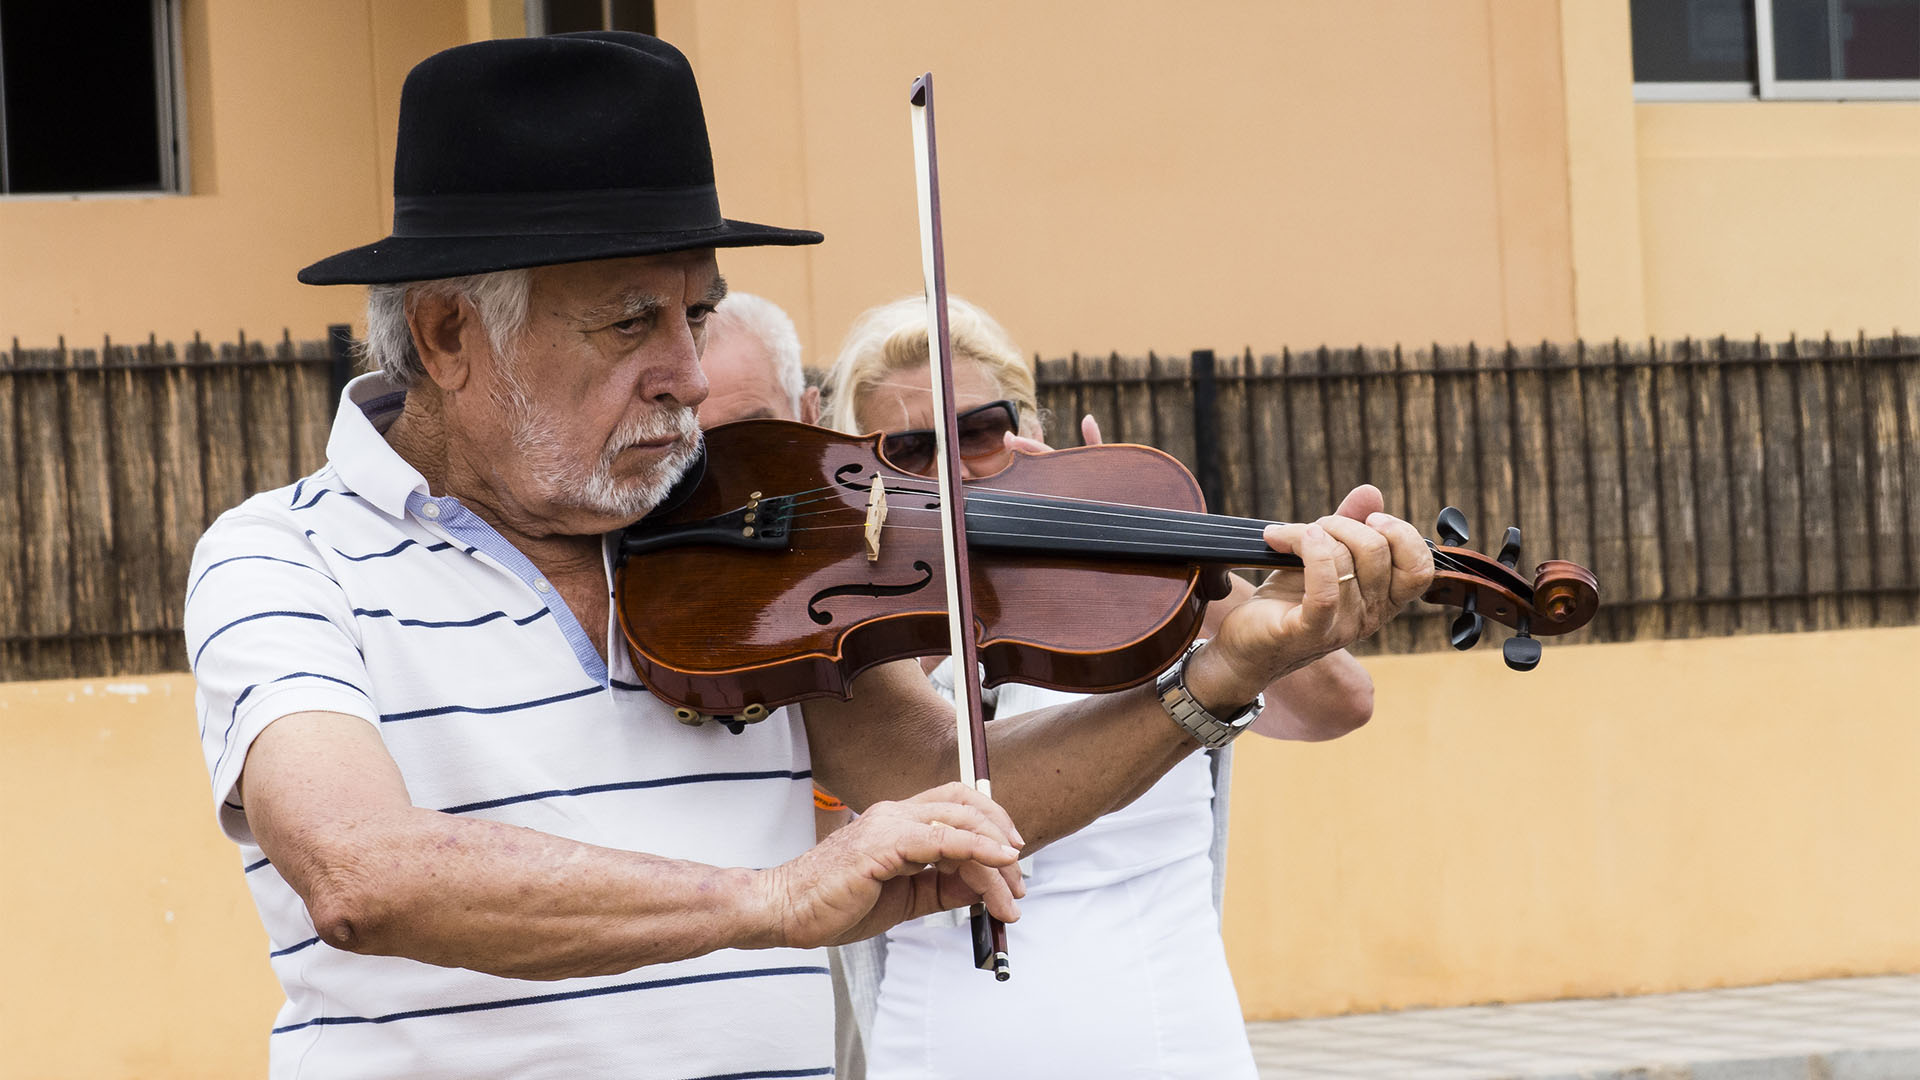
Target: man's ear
{"type": "Point", "coordinates": [440, 325]}
{"type": "Point", "coordinates": [810, 405]}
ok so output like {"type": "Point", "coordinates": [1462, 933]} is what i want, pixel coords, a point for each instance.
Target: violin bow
{"type": "Point", "coordinates": [989, 933]}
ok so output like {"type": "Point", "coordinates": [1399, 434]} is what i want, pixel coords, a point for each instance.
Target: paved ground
{"type": "Point", "coordinates": [1834, 1029]}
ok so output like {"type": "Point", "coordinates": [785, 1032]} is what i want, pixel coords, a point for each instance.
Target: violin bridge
{"type": "Point", "coordinates": [876, 517]}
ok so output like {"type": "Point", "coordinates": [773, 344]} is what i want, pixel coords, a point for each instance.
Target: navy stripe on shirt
{"type": "Point", "coordinates": [321, 494]}
{"type": "Point", "coordinates": [390, 552]}
{"type": "Point", "coordinates": [631, 785]}
{"type": "Point", "coordinates": [487, 710]}
{"type": "Point", "coordinates": [242, 558]}
{"type": "Point", "coordinates": [547, 999]}
{"type": "Point", "coordinates": [768, 1075]}
{"type": "Point", "coordinates": [432, 624]}
{"type": "Point", "coordinates": [295, 948]}
{"type": "Point", "coordinates": [249, 618]}
{"type": "Point", "coordinates": [233, 718]}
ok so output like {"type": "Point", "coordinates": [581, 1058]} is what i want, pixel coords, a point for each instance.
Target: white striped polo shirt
{"type": "Point", "coordinates": [354, 591]}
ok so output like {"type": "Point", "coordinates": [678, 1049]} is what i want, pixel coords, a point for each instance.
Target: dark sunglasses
{"type": "Point", "coordinates": [983, 432]}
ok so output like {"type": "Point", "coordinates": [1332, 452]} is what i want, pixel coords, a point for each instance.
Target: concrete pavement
{"type": "Point", "coordinates": [1831, 1029]}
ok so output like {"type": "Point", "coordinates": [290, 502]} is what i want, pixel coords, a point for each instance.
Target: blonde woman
{"type": "Point", "coordinates": [1119, 970]}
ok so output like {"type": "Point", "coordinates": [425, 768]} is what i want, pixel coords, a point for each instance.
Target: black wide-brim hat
{"type": "Point", "coordinates": [534, 151]}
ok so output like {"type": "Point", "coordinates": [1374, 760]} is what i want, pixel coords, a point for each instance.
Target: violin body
{"type": "Point", "coordinates": [719, 624]}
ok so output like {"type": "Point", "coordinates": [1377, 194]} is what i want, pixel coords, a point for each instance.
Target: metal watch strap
{"type": "Point", "coordinates": [1212, 731]}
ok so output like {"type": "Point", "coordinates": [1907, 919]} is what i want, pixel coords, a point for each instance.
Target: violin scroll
{"type": "Point", "coordinates": [1561, 598]}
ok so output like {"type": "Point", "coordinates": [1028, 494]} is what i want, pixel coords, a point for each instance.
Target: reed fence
{"type": "Point", "coordinates": [1714, 487]}
{"type": "Point", "coordinates": [113, 461]}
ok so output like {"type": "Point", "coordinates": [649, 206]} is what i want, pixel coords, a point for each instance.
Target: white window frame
{"type": "Point", "coordinates": [1767, 87]}
{"type": "Point", "coordinates": [169, 73]}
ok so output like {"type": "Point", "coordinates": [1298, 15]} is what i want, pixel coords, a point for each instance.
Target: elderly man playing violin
{"type": "Point", "coordinates": [478, 845]}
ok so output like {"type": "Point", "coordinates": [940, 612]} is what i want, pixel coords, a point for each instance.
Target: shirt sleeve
{"type": "Point", "coordinates": [269, 633]}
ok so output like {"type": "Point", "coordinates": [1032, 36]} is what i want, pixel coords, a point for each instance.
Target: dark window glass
{"type": "Point", "coordinates": [1846, 39]}
{"type": "Point", "coordinates": [79, 106]}
{"type": "Point", "coordinates": [1693, 41]}
{"type": "Point", "coordinates": [567, 16]}
{"type": "Point", "coordinates": [633, 15]}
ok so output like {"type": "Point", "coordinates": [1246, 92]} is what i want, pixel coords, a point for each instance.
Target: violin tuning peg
{"type": "Point", "coordinates": [1452, 527]}
{"type": "Point", "coordinates": [1521, 652]}
{"type": "Point", "coordinates": [1509, 556]}
{"type": "Point", "coordinates": [1465, 632]}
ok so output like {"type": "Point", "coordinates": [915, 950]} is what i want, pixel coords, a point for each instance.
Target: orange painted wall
{"type": "Point", "coordinates": [1627, 819]}
{"type": "Point", "coordinates": [1143, 175]}
{"type": "Point", "coordinates": [135, 950]}
{"type": "Point", "coordinates": [1778, 218]}
{"type": "Point", "coordinates": [1243, 173]}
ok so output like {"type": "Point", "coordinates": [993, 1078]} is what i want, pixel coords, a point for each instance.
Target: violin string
{"type": "Point", "coordinates": [1064, 502]}
{"type": "Point", "coordinates": [984, 511]}
{"type": "Point", "coordinates": [1441, 560]}
{"type": "Point", "coordinates": [920, 486]}
{"type": "Point", "coordinates": [903, 484]}
{"type": "Point", "coordinates": [1245, 533]}
{"type": "Point", "coordinates": [1151, 530]}
{"type": "Point", "coordinates": [906, 483]}
{"type": "Point", "coordinates": [987, 500]}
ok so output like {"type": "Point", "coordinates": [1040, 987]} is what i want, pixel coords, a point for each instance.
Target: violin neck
{"type": "Point", "coordinates": [1035, 523]}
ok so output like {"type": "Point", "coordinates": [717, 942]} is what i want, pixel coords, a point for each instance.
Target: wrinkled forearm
{"type": "Point", "coordinates": [510, 901]}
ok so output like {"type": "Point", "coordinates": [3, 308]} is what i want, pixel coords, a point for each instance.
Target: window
{"type": "Point", "coordinates": [1775, 49]}
{"type": "Point", "coordinates": [567, 16]}
{"type": "Point", "coordinates": [89, 97]}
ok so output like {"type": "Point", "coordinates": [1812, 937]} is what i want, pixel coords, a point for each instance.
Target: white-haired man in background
{"type": "Point", "coordinates": [753, 365]}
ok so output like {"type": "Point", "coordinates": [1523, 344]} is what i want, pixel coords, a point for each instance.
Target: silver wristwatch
{"type": "Point", "coordinates": [1212, 731]}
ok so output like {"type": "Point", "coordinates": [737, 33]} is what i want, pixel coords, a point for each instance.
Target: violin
{"type": "Point", "coordinates": [792, 558]}
{"type": "Point", "coordinates": [1094, 565]}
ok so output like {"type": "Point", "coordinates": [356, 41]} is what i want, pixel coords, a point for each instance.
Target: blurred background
{"type": "Point", "coordinates": [1630, 276]}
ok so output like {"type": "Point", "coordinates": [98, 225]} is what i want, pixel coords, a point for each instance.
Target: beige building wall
{"type": "Point", "coordinates": [1777, 218]}
{"type": "Point", "coordinates": [1626, 819]}
{"type": "Point", "coordinates": [1118, 174]}
{"type": "Point", "coordinates": [135, 951]}
{"type": "Point", "coordinates": [1603, 187]}
{"type": "Point", "coordinates": [1138, 176]}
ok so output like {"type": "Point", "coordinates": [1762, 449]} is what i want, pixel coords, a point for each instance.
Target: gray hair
{"type": "Point", "coordinates": [500, 299]}
{"type": "Point", "coordinates": [773, 328]}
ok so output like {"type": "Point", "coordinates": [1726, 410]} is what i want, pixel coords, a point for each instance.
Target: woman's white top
{"type": "Point", "coordinates": [1118, 967]}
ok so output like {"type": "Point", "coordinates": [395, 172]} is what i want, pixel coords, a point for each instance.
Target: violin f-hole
{"type": "Point", "coordinates": [869, 588]}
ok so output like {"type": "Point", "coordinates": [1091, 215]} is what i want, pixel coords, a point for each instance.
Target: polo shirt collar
{"type": "Point", "coordinates": [359, 452]}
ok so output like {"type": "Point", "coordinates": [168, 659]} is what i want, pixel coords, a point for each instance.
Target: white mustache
{"type": "Point", "coordinates": [680, 424]}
